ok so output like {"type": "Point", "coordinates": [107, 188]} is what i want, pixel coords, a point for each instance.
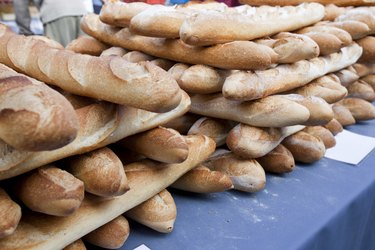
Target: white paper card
{"type": "Point", "coordinates": [350, 147]}
{"type": "Point", "coordinates": [142, 247]}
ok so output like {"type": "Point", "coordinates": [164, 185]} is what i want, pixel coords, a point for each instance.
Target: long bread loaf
{"type": "Point", "coordinates": [50, 233]}
{"type": "Point", "coordinates": [108, 78]}
{"type": "Point", "coordinates": [233, 55]}
{"type": "Point", "coordinates": [295, 2]}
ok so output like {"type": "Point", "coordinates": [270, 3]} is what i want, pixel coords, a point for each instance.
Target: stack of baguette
{"type": "Point", "coordinates": [201, 98]}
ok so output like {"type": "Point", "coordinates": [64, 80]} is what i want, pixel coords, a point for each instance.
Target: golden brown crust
{"type": "Point", "coordinates": [361, 89]}
{"type": "Point", "coordinates": [34, 117]}
{"type": "Point", "coordinates": [343, 115]}
{"type": "Point", "coordinates": [278, 161]}
{"type": "Point", "coordinates": [324, 134]}
{"type": "Point", "coordinates": [87, 45]}
{"type": "Point", "coordinates": [368, 45]}
{"type": "Point", "coordinates": [51, 190]}
{"type": "Point", "coordinates": [10, 214]}
{"type": "Point", "coordinates": [76, 245]}
{"type": "Point", "coordinates": [202, 180]}
{"type": "Point", "coordinates": [360, 109]}
{"type": "Point", "coordinates": [112, 235]}
{"type": "Point", "coordinates": [158, 212]}
{"type": "Point", "coordinates": [101, 172]}
{"type": "Point", "coordinates": [334, 126]}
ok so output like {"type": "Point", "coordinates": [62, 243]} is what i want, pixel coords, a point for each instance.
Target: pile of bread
{"type": "Point", "coordinates": [201, 97]}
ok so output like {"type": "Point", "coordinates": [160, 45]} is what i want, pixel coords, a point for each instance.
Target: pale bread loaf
{"type": "Point", "coordinates": [10, 214]}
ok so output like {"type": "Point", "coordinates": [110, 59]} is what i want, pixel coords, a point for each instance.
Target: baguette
{"type": "Point", "coordinates": [76, 245]}
{"type": "Point", "coordinates": [233, 55]}
{"type": "Point", "coordinates": [304, 147]}
{"type": "Point", "coordinates": [202, 180]}
{"type": "Point", "coordinates": [101, 171]}
{"type": "Point", "coordinates": [87, 45]}
{"type": "Point", "coordinates": [322, 133]}
{"type": "Point", "coordinates": [327, 87]}
{"type": "Point", "coordinates": [199, 79]}
{"type": "Point", "coordinates": [137, 56]}
{"type": "Point", "coordinates": [100, 124]}
{"type": "Point", "coordinates": [246, 175]}
{"type": "Point", "coordinates": [33, 116]}
{"type": "Point", "coordinates": [363, 69]}
{"type": "Point", "coordinates": [108, 78]}
{"type": "Point", "coordinates": [118, 13]}
{"type": "Point", "coordinates": [145, 180]}
{"type": "Point", "coordinates": [50, 190]}
{"type": "Point", "coordinates": [112, 235]}
{"type": "Point", "coordinates": [10, 157]}
{"type": "Point", "coordinates": [253, 142]}
{"type": "Point", "coordinates": [216, 129]}
{"type": "Point", "coordinates": [341, 34]}
{"type": "Point", "coordinates": [271, 111]}
{"type": "Point", "coordinates": [158, 213]}
{"type": "Point", "coordinates": [370, 79]}
{"type": "Point", "coordinates": [347, 76]}
{"type": "Point", "coordinates": [114, 51]}
{"type": "Point", "coordinates": [278, 161]}
{"type": "Point", "coordinates": [356, 29]}
{"type": "Point", "coordinates": [361, 15]}
{"type": "Point", "coordinates": [361, 89]}
{"type": "Point", "coordinates": [226, 27]}
{"type": "Point", "coordinates": [243, 85]}
{"type": "Point", "coordinates": [160, 144]}
{"type": "Point", "coordinates": [10, 214]}
{"type": "Point", "coordinates": [334, 126]}
{"type": "Point", "coordinates": [368, 45]}
{"type": "Point", "coordinates": [343, 115]}
{"type": "Point", "coordinates": [295, 2]}
{"type": "Point", "coordinates": [332, 11]}
{"type": "Point", "coordinates": [292, 47]}
{"type": "Point", "coordinates": [320, 111]}
{"type": "Point", "coordinates": [163, 63]}
{"type": "Point", "coordinates": [361, 109]}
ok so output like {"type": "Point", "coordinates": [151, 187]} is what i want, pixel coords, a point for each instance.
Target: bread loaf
{"type": "Point", "coordinates": [322, 133]}
{"type": "Point", "coordinates": [10, 214]}
{"type": "Point", "coordinates": [87, 45]}
{"type": "Point", "coordinates": [356, 29]}
{"type": "Point", "coordinates": [114, 51]}
{"type": "Point", "coordinates": [278, 161]}
{"type": "Point", "coordinates": [100, 124]}
{"type": "Point", "coordinates": [202, 180]}
{"type": "Point", "coordinates": [332, 11]}
{"type": "Point", "coordinates": [160, 144]}
{"type": "Point", "coordinates": [112, 235]}
{"type": "Point", "coordinates": [199, 79]}
{"type": "Point", "coordinates": [271, 111]}
{"type": "Point", "coordinates": [361, 89]}
{"type": "Point", "coordinates": [334, 126]}
{"type": "Point", "coordinates": [327, 87]}
{"type": "Point", "coordinates": [226, 27]}
{"type": "Point", "coordinates": [76, 245]}
{"type": "Point", "coordinates": [368, 45]}
{"type": "Point", "coordinates": [320, 111]}
{"type": "Point", "coordinates": [50, 190]}
{"type": "Point", "coordinates": [216, 129]}
{"type": "Point", "coordinates": [341, 34]}
{"type": "Point", "coordinates": [101, 171]}
{"type": "Point", "coordinates": [295, 2]}
{"type": "Point", "coordinates": [304, 147]}
{"type": "Point", "coordinates": [137, 56]}
{"type": "Point", "coordinates": [246, 175]}
{"type": "Point", "coordinates": [33, 116]}
{"type": "Point", "coordinates": [370, 79]}
{"type": "Point", "coordinates": [108, 78]}
{"type": "Point", "coordinates": [359, 14]}
{"type": "Point", "coordinates": [252, 142]}
{"type": "Point", "coordinates": [233, 55]}
{"type": "Point", "coordinates": [243, 85]}
{"type": "Point", "coordinates": [364, 69]}
{"type": "Point", "coordinates": [347, 76]}
{"type": "Point", "coordinates": [343, 115]}
{"type": "Point", "coordinates": [51, 233]}
{"type": "Point", "coordinates": [292, 47]}
{"type": "Point", "coordinates": [360, 109]}
{"type": "Point", "coordinates": [158, 212]}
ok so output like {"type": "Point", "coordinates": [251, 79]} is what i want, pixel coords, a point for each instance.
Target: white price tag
{"type": "Point", "coordinates": [142, 247]}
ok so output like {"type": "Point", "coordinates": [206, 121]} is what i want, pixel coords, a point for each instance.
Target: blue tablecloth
{"type": "Point", "coordinates": [326, 205]}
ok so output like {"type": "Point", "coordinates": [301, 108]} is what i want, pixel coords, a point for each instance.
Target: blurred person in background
{"type": "Point", "coordinates": [61, 19]}
{"type": "Point", "coordinates": [23, 17]}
